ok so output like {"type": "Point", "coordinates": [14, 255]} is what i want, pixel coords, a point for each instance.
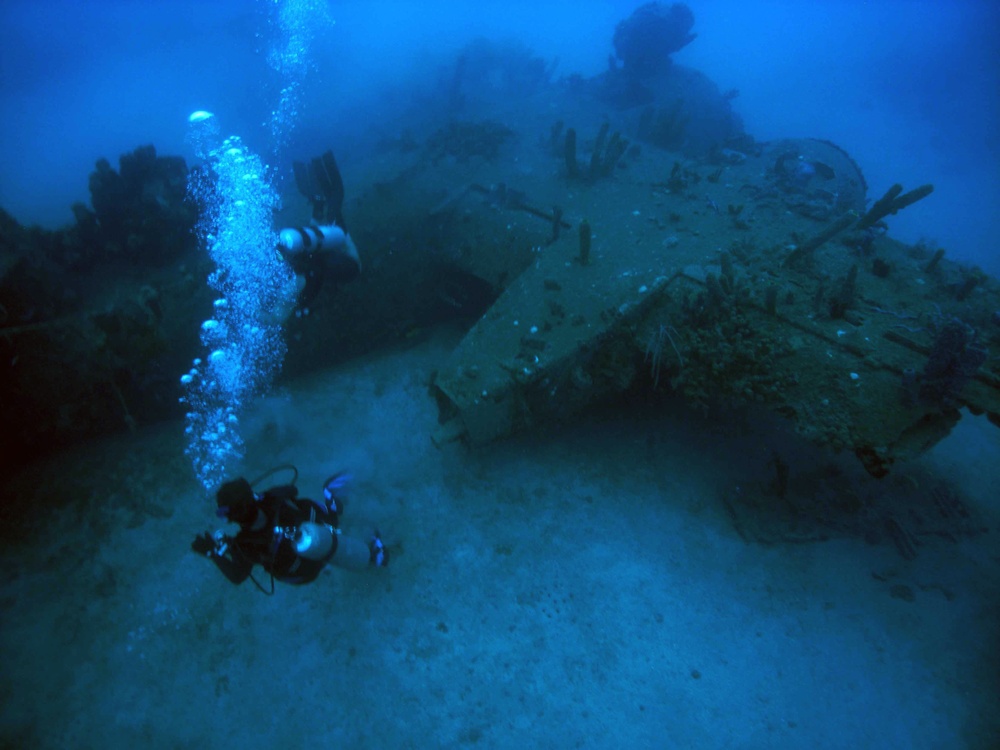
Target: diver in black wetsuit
{"type": "Point", "coordinates": [292, 538]}
{"type": "Point", "coordinates": [324, 251]}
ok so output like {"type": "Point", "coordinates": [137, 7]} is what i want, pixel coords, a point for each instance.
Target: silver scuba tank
{"type": "Point", "coordinates": [313, 541]}
{"type": "Point", "coordinates": [311, 239]}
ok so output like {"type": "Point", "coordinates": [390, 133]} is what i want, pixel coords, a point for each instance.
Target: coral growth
{"type": "Point", "coordinates": [140, 213]}
{"type": "Point", "coordinates": [645, 40]}
{"type": "Point", "coordinates": [953, 360]}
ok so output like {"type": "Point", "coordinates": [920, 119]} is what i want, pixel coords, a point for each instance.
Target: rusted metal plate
{"type": "Point", "coordinates": [665, 233]}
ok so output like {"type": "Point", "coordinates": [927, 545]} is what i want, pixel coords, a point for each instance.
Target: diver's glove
{"type": "Point", "coordinates": [203, 544]}
{"type": "Point", "coordinates": [210, 544]}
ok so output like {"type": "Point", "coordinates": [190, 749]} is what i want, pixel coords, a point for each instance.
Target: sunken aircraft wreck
{"type": "Point", "coordinates": [600, 236]}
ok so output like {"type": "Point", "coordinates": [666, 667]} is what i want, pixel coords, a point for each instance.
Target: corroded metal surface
{"type": "Point", "coordinates": [692, 272]}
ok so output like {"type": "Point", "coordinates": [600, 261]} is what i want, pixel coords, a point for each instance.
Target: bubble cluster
{"type": "Point", "coordinates": [236, 195]}
{"type": "Point", "coordinates": [294, 25]}
{"type": "Point", "coordinates": [243, 339]}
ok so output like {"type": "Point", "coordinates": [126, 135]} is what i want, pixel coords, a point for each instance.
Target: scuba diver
{"type": "Point", "coordinates": [324, 251]}
{"type": "Point", "coordinates": [292, 538]}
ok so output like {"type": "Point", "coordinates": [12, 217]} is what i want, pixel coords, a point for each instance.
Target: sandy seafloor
{"type": "Point", "coordinates": [583, 588]}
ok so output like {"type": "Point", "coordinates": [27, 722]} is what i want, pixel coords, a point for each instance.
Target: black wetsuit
{"type": "Point", "coordinates": [258, 544]}
{"type": "Point", "coordinates": [319, 266]}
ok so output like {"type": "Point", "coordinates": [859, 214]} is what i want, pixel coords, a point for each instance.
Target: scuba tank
{"type": "Point", "coordinates": [313, 541]}
{"type": "Point", "coordinates": [294, 240]}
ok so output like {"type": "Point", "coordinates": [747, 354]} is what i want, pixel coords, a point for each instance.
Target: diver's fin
{"type": "Point", "coordinates": [313, 192]}
{"type": "Point", "coordinates": [304, 181]}
{"type": "Point", "coordinates": [320, 182]}
{"type": "Point", "coordinates": [326, 176]}
{"type": "Point", "coordinates": [336, 195]}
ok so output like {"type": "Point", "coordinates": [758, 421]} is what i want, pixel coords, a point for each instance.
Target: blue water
{"type": "Point", "coordinates": [908, 88]}
{"type": "Point", "coordinates": [583, 591]}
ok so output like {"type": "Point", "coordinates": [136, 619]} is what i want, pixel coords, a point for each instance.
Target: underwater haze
{"type": "Point", "coordinates": [604, 403]}
{"type": "Point", "coordinates": [909, 89]}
